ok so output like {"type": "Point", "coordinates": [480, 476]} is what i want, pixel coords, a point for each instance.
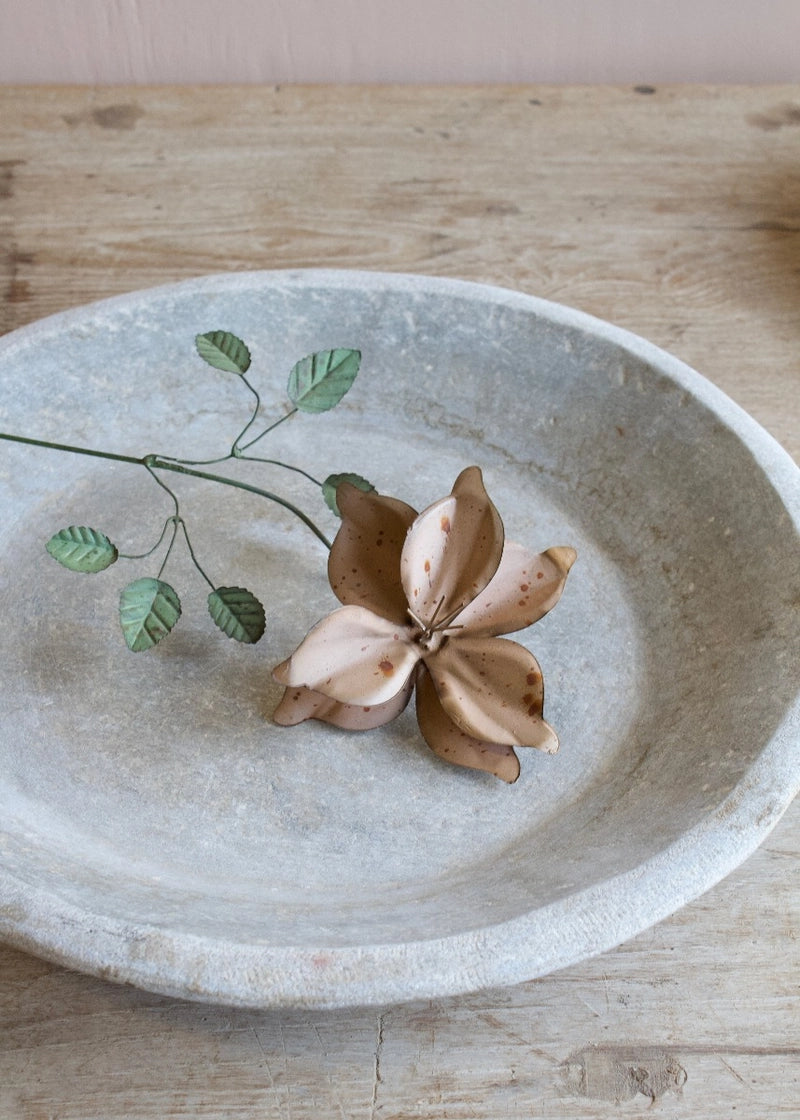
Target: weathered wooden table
{"type": "Point", "coordinates": [674, 212]}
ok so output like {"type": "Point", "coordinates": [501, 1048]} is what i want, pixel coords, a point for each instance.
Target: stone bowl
{"type": "Point", "coordinates": [156, 828]}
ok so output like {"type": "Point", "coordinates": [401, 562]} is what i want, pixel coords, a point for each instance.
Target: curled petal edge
{"type": "Point", "coordinates": [299, 703]}
{"type": "Point", "coordinates": [452, 550]}
{"type": "Point", "coordinates": [492, 688]}
{"type": "Point", "coordinates": [353, 656]}
{"type": "Point", "coordinates": [525, 587]}
{"type": "Point", "coordinates": [364, 561]}
{"type": "Point", "coordinates": [452, 744]}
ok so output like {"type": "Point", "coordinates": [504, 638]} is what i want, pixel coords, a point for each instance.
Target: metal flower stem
{"type": "Point", "coordinates": [156, 462]}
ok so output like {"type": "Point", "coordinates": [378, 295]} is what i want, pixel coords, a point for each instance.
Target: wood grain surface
{"type": "Point", "coordinates": [674, 212]}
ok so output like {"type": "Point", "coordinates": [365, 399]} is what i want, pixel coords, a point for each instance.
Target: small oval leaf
{"type": "Point", "coordinates": [224, 351]}
{"type": "Point", "coordinates": [331, 483]}
{"type": "Point", "coordinates": [319, 382]}
{"type": "Point", "coordinates": [237, 613]}
{"type": "Point", "coordinates": [82, 549]}
{"type": "Point", "coordinates": [148, 610]}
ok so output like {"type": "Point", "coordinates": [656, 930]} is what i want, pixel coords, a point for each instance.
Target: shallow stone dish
{"type": "Point", "coordinates": [156, 828]}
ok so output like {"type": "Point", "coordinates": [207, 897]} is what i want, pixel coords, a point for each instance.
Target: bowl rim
{"type": "Point", "coordinates": [590, 920]}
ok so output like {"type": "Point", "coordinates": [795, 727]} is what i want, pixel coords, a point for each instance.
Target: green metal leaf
{"type": "Point", "coordinates": [331, 484]}
{"type": "Point", "coordinates": [224, 351]}
{"type": "Point", "coordinates": [82, 549]}
{"type": "Point", "coordinates": [237, 613]}
{"type": "Point", "coordinates": [319, 381]}
{"type": "Point", "coordinates": [148, 610]}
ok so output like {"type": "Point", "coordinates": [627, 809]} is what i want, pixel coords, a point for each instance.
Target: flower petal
{"type": "Point", "coordinates": [353, 656]}
{"type": "Point", "coordinates": [281, 672]}
{"type": "Point", "coordinates": [452, 744]}
{"type": "Point", "coordinates": [300, 703]}
{"type": "Point", "coordinates": [492, 688]}
{"type": "Point", "coordinates": [452, 550]}
{"type": "Point", "coordinates": [364, 561]}
{"type": "Point", "coordinates": [524, 587]}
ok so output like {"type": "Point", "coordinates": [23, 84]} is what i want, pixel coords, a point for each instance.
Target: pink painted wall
{"type": "Point", "coordinates": [177, 41]}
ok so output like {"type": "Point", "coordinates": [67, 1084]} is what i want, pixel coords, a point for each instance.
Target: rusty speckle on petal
{"type": "Point", "coordinates": [386, 667]}
{"type": "Point", "coordinates": [445, 524]}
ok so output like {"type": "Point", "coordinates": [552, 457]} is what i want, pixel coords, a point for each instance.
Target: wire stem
{"type": "Point", "coordinates": [150, 551]}
{"type": "Point", "coordinates": [176, 523]}
{"type": "Point", "coordinates": [278, 463]}
{"type": "Point", "coordinates": [194, 558]}
{"type": "Point", "coordinates": [271, 428]}
{"type": "Point", "coordinates": [234, 452]}
{"type": "Point", "coordinates": [156, 462]}
{"type": "Point", "coordinates": [251, 421]}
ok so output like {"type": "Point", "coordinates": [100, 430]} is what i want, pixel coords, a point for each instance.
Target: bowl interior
{"type": "Point", "coordinates": [151, 793]}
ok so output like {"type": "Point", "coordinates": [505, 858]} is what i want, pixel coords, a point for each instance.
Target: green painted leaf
{"type": "Point", "coordinates": [237, 613]}
{"type": "Point", "coordinates": [319, 381]}
{"type": "Point", "coordinates": [82, 549]}
{"type": "Point", "coordinates": [148, 610]}
{"type": "Point", "coordinates": [224, 351]}
{"type": "Point", "coordinates": [331, 484]}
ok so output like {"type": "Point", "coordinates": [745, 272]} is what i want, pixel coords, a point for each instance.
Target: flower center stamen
{"type": "Point", "coordinates": [432, 632]}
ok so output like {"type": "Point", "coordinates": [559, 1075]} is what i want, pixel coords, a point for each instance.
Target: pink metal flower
{"type": "Point", "coordinates": [425, 599]}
